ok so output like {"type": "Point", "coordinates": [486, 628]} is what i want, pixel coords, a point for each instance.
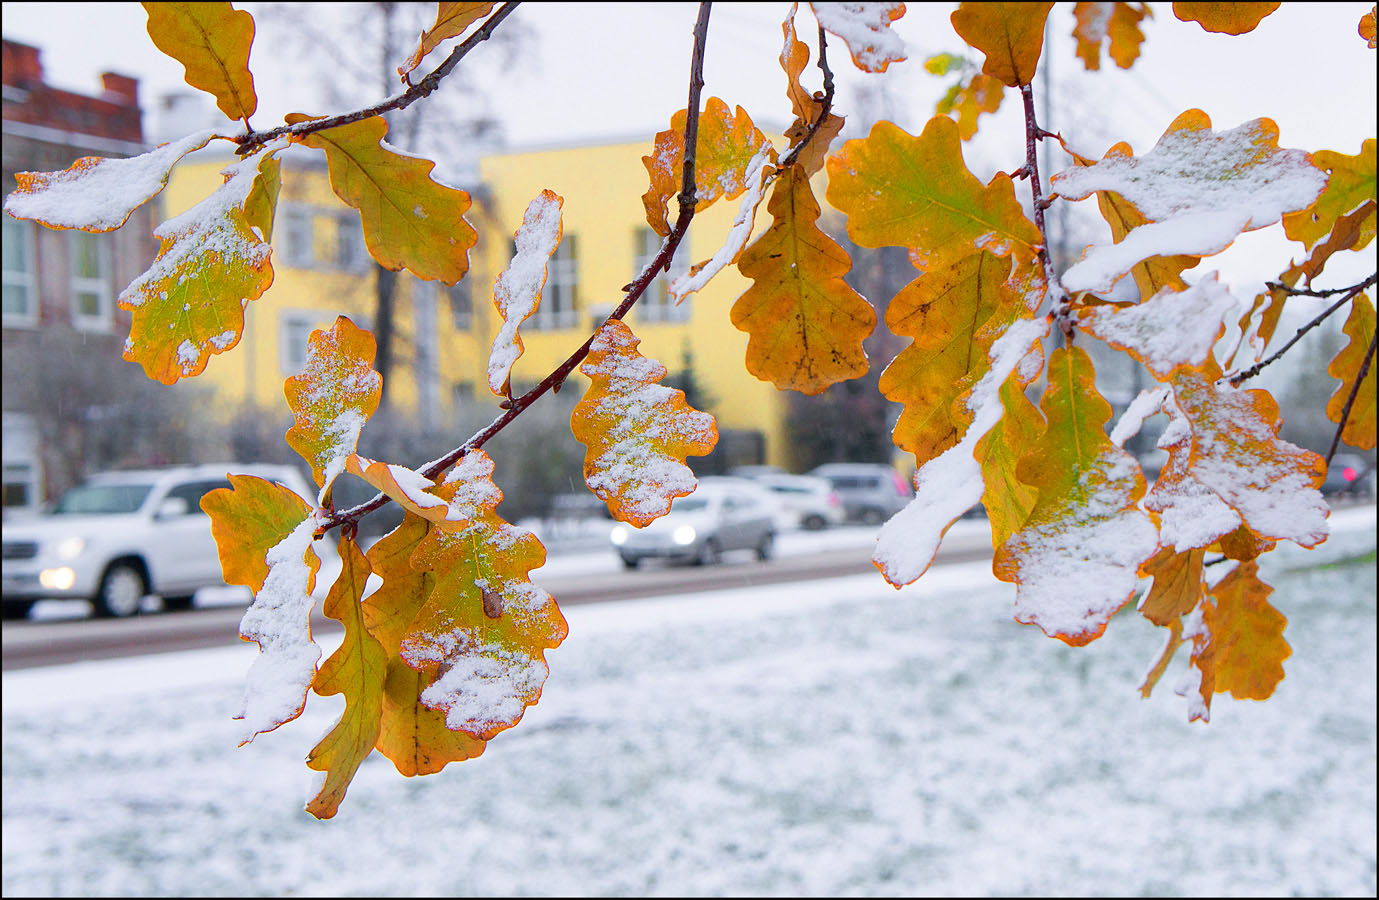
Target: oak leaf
{"type": "Point", "coordinates": [410, 220]}
{"type": "Point", "coordinates": [969, 98]}
{"type": "Point", "coordinates": [355, 669]}
{"type": "Point", "coordinates": [1224, 18]}
{"type": "Point", "coordinates": [915, 192]}
{"type": "Point", "coordinates": [485, 627]}
{"type": "Point", "coordinates": [1246, 636]}
{"type": "Point", "coordinates": [1170, 329]}
{"type": "Point", "coordinates": [452, 20]}
{"type": "Point", "coordinates": [1351, 183]}
{"type": "Point", "coordinates": [408, 488]}
{"type": "Point", "coordinates": [248, 519]}
{"type": "Point", "coordinates": [1010, 34]}
{"type": "Point", "coordinates": [335, 394]}
{"type": "Point", "coordinates": [1006, 499]}
{"type": "Point", "coordinates": [260, 207]}
{"type": "Point", "coordinates": [1120, 22]}
{"type": "Point", "coordinates": [517, 291]}
{"type": "Point", "coordinates": [638, 432]}
{"type": "Point", "coordinates": [1172, 641]}
{"type": "Point", "coordinates": [723, 154]}
{"type": "Point", "coordinates": [794, 56]}
{"type": "Point", "coordinates": [1085, 529]}
{"type": "Point", "coordinates": [1178, 585]}
{"type": "Point", "coordinates": [1360, 426]}
{"type": "Point", "coordinates": [806, 325]}
{"type": "Point", "coordinates": [866, 29]}
{"type": "Point", "coordinates": [212, 42]}
{"type": "Point", "coordinates": [1366, 29]}
{"type": "Point", "coordinates": [739, 232]}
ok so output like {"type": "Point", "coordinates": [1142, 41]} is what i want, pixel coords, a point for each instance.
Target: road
{"type": "Point", "coordinates": [570, 581]}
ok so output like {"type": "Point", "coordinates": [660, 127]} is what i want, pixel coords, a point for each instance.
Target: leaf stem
{"type": "Point", "coordinates": [824, 111]}
{"type": "Point", "coordinates": [1350, 401]}
{"type": "Point", "coordinates": [1350, 294]}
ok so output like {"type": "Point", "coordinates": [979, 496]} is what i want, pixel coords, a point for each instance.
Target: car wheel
{"type": "Point", "coordinates": [18, 609]}
{"type": "Point", "coordinates": [872, 516]}
{"type": "Point", "coordinates": [708, 553]}
{"type": "Point", "coordinates": [121, 592]}
{"type": "Point", "coordinates": [766, 546]}
{"type": "Point", "coordinates": [630, 562]}
{"type": "Point", "coordinates": [178, 602]}
{"type": "Point", "coordinates": [814, 522]}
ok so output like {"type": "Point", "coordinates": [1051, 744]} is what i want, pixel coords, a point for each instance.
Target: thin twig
{"type": "Point", "coordinates": [1306, 292]}
{"type": "Point", "coordinates": [1258, 367]}
{"type": "Point", "coordinates": [1350, 401]}
{"type": "Point", "coordinates": [824, 111]}
{"type": "Point", "coordinates": [250, 142]}
{"type": "Point", "coordinates": [634, 292]}
{"type": "Point", "coordinates": [1033, 134]}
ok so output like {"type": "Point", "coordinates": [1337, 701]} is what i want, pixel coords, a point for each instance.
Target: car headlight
{"type": "Point", "coordinates": [70, 548]}
{"type": "Point", "coordinates": [683, 535]}
{"type": "Point", "coordinates": [618, 535]}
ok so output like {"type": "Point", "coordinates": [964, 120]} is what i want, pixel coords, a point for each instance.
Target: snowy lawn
{"type": "Point", "coordinates": [830, 738]}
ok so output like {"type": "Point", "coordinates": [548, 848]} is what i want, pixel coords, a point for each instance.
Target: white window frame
{"type": "Point", "coordinates": [26, 278]}
{"type": "Point", "coordinates": [299, 250]}
{"type": "Point", "coordinates": [292, 353]}
{"type": "Point", "coordinates": [559, 306]}
{"type": "Point", "coordinates": [655, 305]}
{"type": "Point", "coordinates": [97, 285]}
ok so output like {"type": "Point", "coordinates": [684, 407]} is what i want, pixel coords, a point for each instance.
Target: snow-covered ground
{"type": "Point", "coordinates": [829, 738]}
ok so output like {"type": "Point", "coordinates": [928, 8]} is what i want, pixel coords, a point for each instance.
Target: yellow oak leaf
{"type": "Point", "coordinates": [1120, 22]}
{"type": "Point", "coordinates": [410, 220]}
{"type": "Point", "coordinates": [1360, 426]}
{"type": "Point", "coordinates": [335, 394]}
{"type": "Point", "coordinates": [248, 519]}
{"type": "Point", "coordinates": [484, 625]}
{"type": "Point", "coordinates": [866, 29]}
{"type": "Point", "coordinates": [261, 205]}
{"type": "Point", "coordinates": [1007, 500]}
{"type": "Point", "coordinates": [1084, 528]}
{"type": "Point", "coordinates": [408, 488]}
{"type": "Point", "coordinates": [638, 432]}
{"type": "Point", "coordinates": [1224, 18]}
{"type": "Point", "coordinates": [1351, 183]}
{"type": "Point", "coordinates": [413, 737]}
{"type": "Point", "coordinates": [1366, 28]}
{"type": "Point", "coordinates": [1246, 635]}
{"type": "Point", "coordinates": [212, 42]}
{"type": "Point", "coordinates": [722, 155]}
{"type": "Point", "coordinates": [1172, 641]}
{"type": "Point", "coordinates": [1010, 34]}
{"type": "Point", "coordinates": [189, 304]}
{"type": "Point", "coordinates": [794, 56]}
{"type": "Point", "coordinates": [1178, 585]}
{"type": "Point", "coordinates": [452, 20]}
{"type": "Point", "coordinates": [969, 98]}
{"type": "Point", "coordinates": [806, 325]}
{"type": "Point", "coordinates": [915, 192]}
{"type": "Point", "coordinates": [355, 669]}
{"type": "Point", "coordinates": [517, 291]}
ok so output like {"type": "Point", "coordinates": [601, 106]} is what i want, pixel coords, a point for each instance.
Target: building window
{"type": "Point", "coordinates": [21, 488]}
{"type": "Point", "coordinates": [656, 304]}
{"type": "Point", "coordinates": [350, 252]}
{"type": "Point", "coordinates": [90, 261]}
{"type": "Point", "coordinates": [20, 295]}
{"type": "Point", "coordinates": [298, 248]}
{"type": "Point", "coordinates": [293, 331]}
{"type": "Point", "coordinates": [557, 308]}
{"type": "Point", "coordinates": [461, 305]}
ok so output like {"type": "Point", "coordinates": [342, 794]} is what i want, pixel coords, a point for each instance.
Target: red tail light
{"type": "Point", "coordinates": [833, 499]}
{"type": "Point", "coordinates": [1349, 473]}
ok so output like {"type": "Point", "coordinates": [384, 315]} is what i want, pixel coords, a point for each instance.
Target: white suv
{"type": "Point", "coordinates": [121, 535]}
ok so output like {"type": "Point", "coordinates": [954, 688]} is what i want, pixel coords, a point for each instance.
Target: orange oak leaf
{"type": "Point", "coordinates": [412, 736]}
{"type": "Point", "coordinates": [1224, 18]}
{"type": "Point", "coordinates": [1243, 544]}
{"type": "Point", "coordinates": [794, 56]}
{"type": "Point", "coordinates": [1366, 28]}
{"type": "Point", "coordinates": [1085, 528]}
{"type": "Point", "coordinates": [915, 192]}
{"type": "Point", "coordinates": [1010, 34]}
{"type": "Point", "coordinates": [189, 304]}
{"type": "Point", "coordinates": [638, 432]}
{"type": "Point", "coordinates": [518, 288]}
{"type": "Point", "coordinates": [484, 627]}
{"type": "Point", "coordinates": [1178, 585]}
{"type": "Point", "coordinates": [1360, 426]}
{"type": "Point", "coordinates": [1120, 22]}
{"type": "Point", "coordinates": [452, 20]}
{"type": "Point", "coordinates": [408, 488]}
{"type": "Point", "coordinates": [866, 29]}
{"type": "Point", "coordinates": [1351, 183]}
{"type": "Point", "coordinates": [212, 42]}
{"type": "Point", "coordinates": [410, 220]}
{"type": "Point", "coordinates": [336, 393]}
{"type": "Point", "coordinates": [355, 669]}
{"type": "Point", "coordinates": [701, 273]}
{"type": "Point", "coordinates": [806, 325]}
{"type": "Point", "coordinates": [723, 153]}
{"type": "Point", "coordinates": [248, 519]}
{"type": "Point", "coordinates": [1007, 500]}
{"type": "Point", "coordinates": [1246, 636]}
{"type": "Point", "coordinates": [969, 98]}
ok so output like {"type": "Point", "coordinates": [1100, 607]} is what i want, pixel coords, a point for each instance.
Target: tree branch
{"type": "Point", "coordinates": [1034, 134]}
{"type": "Point", "coordinates": [252, 141]}
{"type": "Point", "coordinates": [1350, 401]}
{"type": "Point", "coordinates": [556, 378]}
{"type": "Point", "coordinates": [1351, 293]}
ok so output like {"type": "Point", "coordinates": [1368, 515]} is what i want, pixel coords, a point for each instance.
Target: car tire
{"type": "Point", "coordinates": [766, 546]}
{"type": "Point", "coordinates": [708, 553]}
{"type": "Point", "coordinates": [872, 516]}
{"type": "Point", "coordinates": [178, 602]}
{"type": "Point", "coordinates": [814, 522]}
{"type": "Point", "coordinates": [18, 609]}
{"type": "Point", "coordinates": [122, 591]}
{"type": "Point", "coordinates": [630, 562]}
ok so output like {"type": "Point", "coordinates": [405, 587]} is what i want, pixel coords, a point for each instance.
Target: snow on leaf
{"type": "Point", "coordinates": [355, 669]}
{"type": "Point", "coordinates": [915, 192]}
{"type": "Point", "coordinates": [335, 394]}
{"type": "Point", "coordinates": [866, 29]}
{"type": "Point", "coordinates": [410, 220]}
{"type": "Point", "coordinates": [484, 627]}
{"type": "Point", "coordinates": [189, 304]}
{"type": "Point", "coordinates": [794, 57]}
{"type": "Point", "coordinates": [518, 288]}
{"type": "Point", "coordinates": [248, 519]}
{"type": "Point", "coordinates": [806, 325]}
{"type": "Point", "coordinates": [1351, 183]}
{"type": "Point", "coordinates": [969, 98]}
{"type": "Point", "coordinates": [1120, 22]}
{"type": "Point", "coordinates": [1199, 190]}
{"type": "Point", "coordinates": [1224, 18]}
{"type": "Point", "coordinates": [413, 737]}
{"type": "Point", "coordinates": [1246, 635]}
{"type": "Point", "coordinates": [1085, 530]}
{"type": "Point", "coordinates": [723, 154]}
{"type": "Point", "coordinates": [952, 483]}
{"type": "Point", "coordinates": [408, 488]}
{"type": "Point", "coordinates": [452, 20]}
{"type": "Point", "coordinates": [1170, 329]}
{"type": "Point", "coordinates": [1178, 585]}
{"type": "Point", "coordinates": [95, 193]}
{"type": "Point", "coordinates": [701, 273]}
{"type": "Point", "coordinates": [1360, 426]}
{"type": "Point", "coordinates": [638, 432]}
{"type": "Point", "coordinates": [212, 42]}
{"type": "Point", "coordinates": [1146, 403]}
{"type": "Point", "coordinates": [1010, 34]}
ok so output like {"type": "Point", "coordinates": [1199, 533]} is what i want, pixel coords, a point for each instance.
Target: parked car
{"type": "Point", "coordinates": [1349, 476]}
{"type": "Point", "coordinates": [806, 501]}
{"type": "Point", "coordinates": [722, 514]}
{"type": "Point", "coordinates": [122, 535]}
{"type": "Point", "coordinates": [871, 492]}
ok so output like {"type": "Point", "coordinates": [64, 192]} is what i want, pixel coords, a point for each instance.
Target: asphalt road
{"type": "Point", "coordinates": [28, 644]}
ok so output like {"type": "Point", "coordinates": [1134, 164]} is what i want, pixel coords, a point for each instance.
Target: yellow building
{"type": "Point", "coordinates": [443, 333]}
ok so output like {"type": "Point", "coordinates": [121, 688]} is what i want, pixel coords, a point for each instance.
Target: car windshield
{"type": "Point", "coordinates": [102, 499]}
{"type": "Point", "coordinates": [689, 504]}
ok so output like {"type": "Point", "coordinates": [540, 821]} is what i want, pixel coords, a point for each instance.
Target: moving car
{"type": "Point", "coordinates": [722, 514]}
{"type": "Point", "coordinates": [806, 501]}
{"type": "Point", "coordinates": [871, 492]}
{"type": "Point", "coordinates": [122, 535]}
